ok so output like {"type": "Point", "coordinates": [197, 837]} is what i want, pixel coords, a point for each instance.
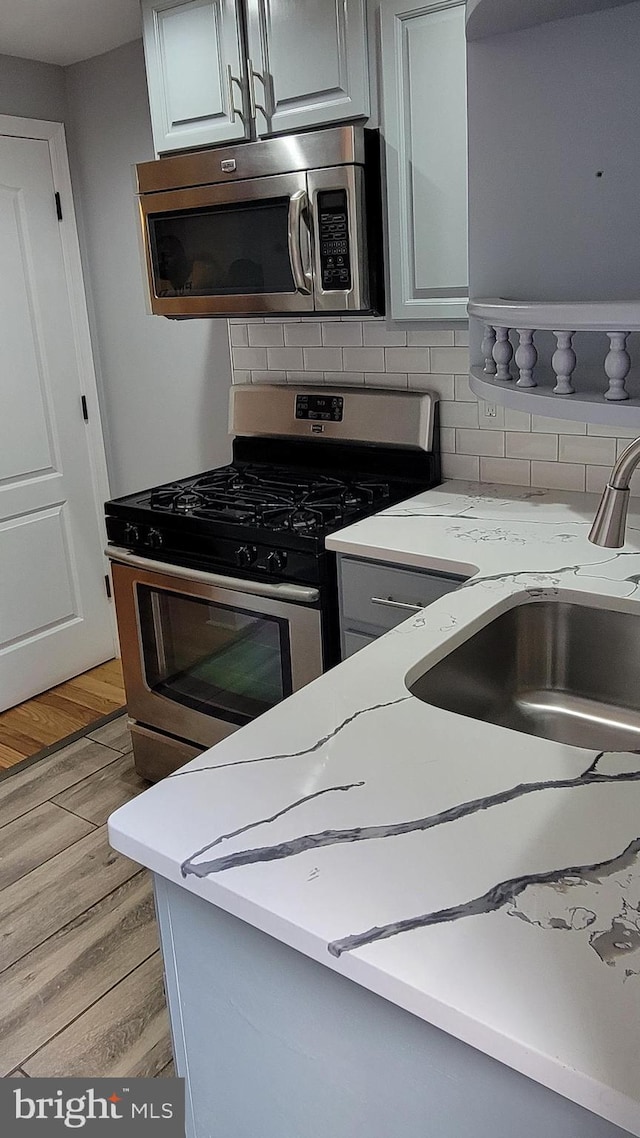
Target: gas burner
{"type": "Point", "coordinates": [185, 503]}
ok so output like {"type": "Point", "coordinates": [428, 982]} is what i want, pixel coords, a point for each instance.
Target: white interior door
{"type": "Point", "coordinates": [55, 617]}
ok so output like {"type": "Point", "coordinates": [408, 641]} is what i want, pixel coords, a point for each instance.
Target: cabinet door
{"type": "Point", "coordinates": [310, 62]}
{"type": "Point", "coordinates": [425, 131]}
{"type": "Point", "coordinates": [192, 51]}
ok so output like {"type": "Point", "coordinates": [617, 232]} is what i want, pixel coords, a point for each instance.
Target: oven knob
{"type": "Point", "coordinates": [245, 556]}
{"type": "Point", "coordinates": [154, 538]}
{"type": "Point", "coordinates": [276, 561]}
{"type": "Point", "coordinates": [131, 532]}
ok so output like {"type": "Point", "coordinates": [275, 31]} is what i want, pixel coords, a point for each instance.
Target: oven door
{"type": "Point", "coordinates": [240, 247]}
{"type": "Point", "coordinates": [204, 654]}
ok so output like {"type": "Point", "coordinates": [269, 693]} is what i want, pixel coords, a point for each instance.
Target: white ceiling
{"type": "Point", "coordinates": [65, 31]}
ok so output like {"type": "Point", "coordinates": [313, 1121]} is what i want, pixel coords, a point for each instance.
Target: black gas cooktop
{"type": "Point", "coordinates": [268, 512]}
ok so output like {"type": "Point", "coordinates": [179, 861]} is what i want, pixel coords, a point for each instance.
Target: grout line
{"type": "Point", "coordinates": [73, 814]}
{"type": "Point", "coordinates": [32, 1055]}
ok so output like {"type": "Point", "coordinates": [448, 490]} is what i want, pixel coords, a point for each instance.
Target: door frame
{"type": "Point", "coordinates": [53, 133]}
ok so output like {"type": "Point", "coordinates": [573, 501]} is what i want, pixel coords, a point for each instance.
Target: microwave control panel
{"type": "Point", "coordinates": [335, 262]}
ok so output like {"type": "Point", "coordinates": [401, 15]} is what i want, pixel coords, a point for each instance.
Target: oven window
{"type": "Point", "coordinates": [218, 660]}
{"type": "Point", "coordinates": [231, 250]}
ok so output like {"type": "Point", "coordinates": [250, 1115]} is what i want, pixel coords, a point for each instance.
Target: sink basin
{"type": "Point", "coordinates": [556, 669]}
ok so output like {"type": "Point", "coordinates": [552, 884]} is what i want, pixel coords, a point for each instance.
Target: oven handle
{"type": "Point", "coordinates": [297, 203]}
{"type": "Point", "coordinates": [286, 592]}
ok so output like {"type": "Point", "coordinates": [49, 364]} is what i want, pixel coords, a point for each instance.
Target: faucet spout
{"type": "Point", "coordinates": [609, 524]}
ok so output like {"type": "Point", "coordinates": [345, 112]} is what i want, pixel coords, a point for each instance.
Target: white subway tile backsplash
{"type": "Point", "coordinates": [376, 335]}
{"type": "Point", "coordinates": [265, 335]}
{"type": "Point", "coordinates": [557, 426]}
{"type": "Point", "coordinates": [463, 392]}
{"type": "Point", "coordinates": [448, 440]}
{"type": "Point", "coordinates": [443, 385]}
{"type": "Point", "coordinates": [508, 446]}
{"type": "Point", "coordinates": [522, 444]}
{"type": "Point", "coordinates": [450, 359]}
{"type": "Point", "coordinates": [285, 359]}
{"type": "Point", "coordinates": [268, 377]}
{"type": "Point", "coordinates": [453, 414]}
{"type": "Point", "coordinates": [507, 471]}
{"type": "Point", "coordinates": [249, 358]}
{"type": "Point", "coordinates": [238, 335]}
{"type": "Point", "coordinates": [323, 359]}
{"type": "Point", "coordinates": [302, 335]}
{"type": "Point", "coordinates": [344, 378]}
{"type": "Point", "coordinates": [516, 420]}
{"type": "Point", "coordinates": [413, 360]}
{"type": "Point", "coordinates": [490, 443]}
{"type": "Point", "coordinates": [314, 377]}
{"type": "Point", "coordinates": [461, 466]}
{"type": "Point", "coordinates": [341, 333]}
{"type": "Point", "coordinates": [363, 359]}
{"type": "Point", "coordinates": [558, 475]}
{"type": "Point", "coordinates": [587, 449]}
{"type": "Point", "coordinates": [386, 379]}
{"type": "Point", "coordinates": [429, 339]}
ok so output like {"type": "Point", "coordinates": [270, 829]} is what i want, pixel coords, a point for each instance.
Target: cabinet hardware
{"type": "Point", "coordinates": [388, 602]}
{"type": "Point", "coordinates": [58, 206]}
{"type": "Point", "coordinates": [255, 107]}
{"type": "Point", "coordinates": [107, 585]}
{"type": "Point", "coordinates": [233, 110]}
{"type": "Point", "coordinates": [85, 409]}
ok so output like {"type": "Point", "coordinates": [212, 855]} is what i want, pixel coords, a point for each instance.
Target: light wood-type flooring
{"type": "Point", "coordinates": [47, 718]}
{"type": "Point", "coordinates": [81, 989]}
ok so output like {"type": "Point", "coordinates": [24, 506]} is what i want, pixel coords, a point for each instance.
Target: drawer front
{"type": "Point", "coordinates": [381, 596]}
{"type": "Point", "coordinates": [352, 642]}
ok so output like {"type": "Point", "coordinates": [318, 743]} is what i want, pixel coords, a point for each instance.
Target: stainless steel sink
{"type": "Point", "coordinates": [559, 670]}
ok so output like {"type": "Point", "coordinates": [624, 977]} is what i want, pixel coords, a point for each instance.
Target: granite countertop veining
{"type": "Point", "coordinates": [485, 880]}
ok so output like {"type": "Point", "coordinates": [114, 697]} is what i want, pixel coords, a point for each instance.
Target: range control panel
{"type": "Point", "coordinates": [322, 408]}
{"type": "Point", "coordinates": [335, 262]}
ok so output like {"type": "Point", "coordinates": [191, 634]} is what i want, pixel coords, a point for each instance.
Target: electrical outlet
{"type": "Point", "coordinates": [490, 410]}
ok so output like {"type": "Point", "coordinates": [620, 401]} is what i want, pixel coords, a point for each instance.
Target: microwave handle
{"type": "Point", "coordinates": [297, 203]}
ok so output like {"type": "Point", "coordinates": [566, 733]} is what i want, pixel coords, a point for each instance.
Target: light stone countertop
{"type": "Point", "coordinates": [485, 880]}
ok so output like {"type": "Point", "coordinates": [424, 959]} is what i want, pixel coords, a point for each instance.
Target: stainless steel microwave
{"type": "Point", "coordinates": [285, 225]}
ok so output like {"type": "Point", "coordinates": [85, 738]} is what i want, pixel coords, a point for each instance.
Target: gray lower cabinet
{"type": "Point", "coordinates": [375, 596]}
{"type": "Point", "coordinates": [273, 1044]}
{"type": "Point", "coordinates": [424, 123]}
{"type": "Point", "coordinates": [221, 71]}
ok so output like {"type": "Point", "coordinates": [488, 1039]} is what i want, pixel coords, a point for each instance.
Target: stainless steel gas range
{"type": "Point", "coordinates": [224, 591]}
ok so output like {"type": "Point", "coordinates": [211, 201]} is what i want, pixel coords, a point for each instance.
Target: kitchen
{"type": "Point", "coordinates": [529, 444]}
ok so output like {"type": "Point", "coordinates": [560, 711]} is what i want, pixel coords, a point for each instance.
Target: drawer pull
{"type": "Point", "coordinates": [388, 603]}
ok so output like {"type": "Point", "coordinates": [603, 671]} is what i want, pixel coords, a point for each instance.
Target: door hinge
{"type": "Point", "coordinates": [85, 410]}
{"type": "Point", "coordinates": [107, 585]}
{"type": "Point", "coordinates": [58, 206]}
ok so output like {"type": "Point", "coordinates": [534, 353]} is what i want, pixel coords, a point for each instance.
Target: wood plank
{"type": "Point", "coordinates": [115, 734]}
{"type": "Point", "coordinates": [9, 757]}
{"type": "Point", "coordinates": [168, 1072]}
{"type": "Point", "coordinates": [100, 704]}
{"type": "Point", "coordinates": [35, 837]}
{"type": "Point", "coordinates": [52, 985]}
{"type": "Point", "coordinates": [21, 792]}
{"type": "Point", "coordinates": [48, 898]}
{"type": "Point", "coordinates": [44, 725]}
{"type": "Point", "coordinates": [92, 685]}
{"type": "Point", "coordinates": [97, 796]}
{"type": "Point", "coordinates": [125, 1034]}
{"type": "Point", "coordinates": [82, 716]}
{"type": "Point", "coordinates": [25, 745]}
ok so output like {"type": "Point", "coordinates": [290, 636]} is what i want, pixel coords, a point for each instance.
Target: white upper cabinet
{"type": "Point", "coordinates": [218, 71]}
{"type": "Point", "coordinates": [424, 122]}
{"type": "Point", "coordinates": [195, 73]}
{"type": "Point", "coordinates": [309, 62]}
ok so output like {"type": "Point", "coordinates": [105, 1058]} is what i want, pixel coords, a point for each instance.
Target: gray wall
{"type": "Point", "coordinates": [31, 90]}
{"type": "Point", "coordinates": [164, 384]}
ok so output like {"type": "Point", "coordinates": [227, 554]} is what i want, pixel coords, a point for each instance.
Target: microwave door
{"type": "Point", "coordinates": [238, 248]}
{"type": "Point", "coordinates": [340, 261]}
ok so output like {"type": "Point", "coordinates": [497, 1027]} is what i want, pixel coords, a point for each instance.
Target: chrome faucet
{"type": "Point", "coordinates": [611, 516]}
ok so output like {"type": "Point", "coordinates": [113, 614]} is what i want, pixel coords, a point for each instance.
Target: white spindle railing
{"type": "Point", "coordinates": [502, 318]}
